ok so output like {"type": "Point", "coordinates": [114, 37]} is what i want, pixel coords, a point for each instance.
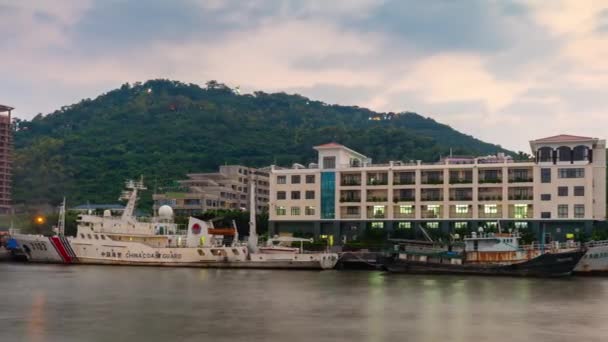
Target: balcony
{"type": "Point", "coordinates": [377, 199]}
{"type": "Point", "coordinates": [350, 199]}
{"type": "Point", "coordinates": [521, 179]}
{"type": "Point", "coordinates": [528, 197]}
{"type": "Point", "coordinates": [489, 197]}
{"type": "Point", "coordinates": [379, 178]}
{"type": "Point", "coordinates": [490, 181]}
{"type": "Point", "coordinates": [350, 213]}
{"type": "Point", "coordinates": [404, 178]}
{"type": "Point", "coordinates": [404, 211]}
{"type": "Point", "coordinates": [464, 194]}
{"type": "Point", "coordinates": [374, 182]}
{"type": "Point", "coordinates": [432, 214]}
{"type": "Point", "coordinates": [461, 177]}
{"type": "Point", "coordinates": [350, 182]}
{"type": "Point", "coordinates": [376, 212]}
{"type": "Point", "coordinates": [461, 181]}
{"type": "Point", "coordinates": [432, 177]}
{"type": "Point", "coordinates": [404, 181]}
{"type": "Point", "coordinates": [489, 211]}
{"type": "Point", "coordinates": [397, 199]}
{"type": "Point", "coordinates": [456, 212]}
{"type": "Point", "coordinates": [521, 211]}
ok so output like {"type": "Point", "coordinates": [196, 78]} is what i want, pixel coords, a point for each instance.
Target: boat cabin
{"type": "Point", "coordinates": [491, 242]}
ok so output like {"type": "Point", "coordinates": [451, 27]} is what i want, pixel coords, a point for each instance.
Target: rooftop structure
{"type": "Point", "coordinates": [562, 191]}
{"type": "Point", "coordinates": [226, 189]}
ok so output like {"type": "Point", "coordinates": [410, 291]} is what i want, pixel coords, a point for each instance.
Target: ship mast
{"type": "Point", "coordinates": [131, 196]}
{"type": "Point", "coordinates": [252, 242]}
{"type": "Point", "coordinates": [61, 223]}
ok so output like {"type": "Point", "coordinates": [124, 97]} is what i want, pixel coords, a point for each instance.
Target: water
{"type": "Point", "coordinates": [96, 303]}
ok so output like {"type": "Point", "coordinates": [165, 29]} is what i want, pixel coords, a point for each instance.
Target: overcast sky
{"type": "Point", "coordinates": [504, 71]}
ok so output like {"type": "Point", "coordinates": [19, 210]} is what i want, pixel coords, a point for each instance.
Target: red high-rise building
{"type": "Point", "coordinates": [6, 147]}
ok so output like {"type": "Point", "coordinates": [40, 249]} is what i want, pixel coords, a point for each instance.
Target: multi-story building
{"type": "Point", "coordinates": [226, 189]}
{"type": "Point", "coordinates": [6, 147]}
{"type": "Point", "coordinates": [561, 191]}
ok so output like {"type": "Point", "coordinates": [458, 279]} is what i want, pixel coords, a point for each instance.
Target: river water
{"type": "Point", "coordinates": [97, 303]}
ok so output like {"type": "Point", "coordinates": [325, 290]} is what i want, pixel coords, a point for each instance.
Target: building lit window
{"type": "Point", "coordinates": [490, 209]}
{"type": "Point", "coordinates": [520, 225]}
{"type": "Point", "coordinates": [309, 210]}
{"type": "Point", "coordinates": [571, 173]}
{"type": "Point", "coordinates": [377, 225]}
{"type": "Point", "coordinates": [562, 211]}
{"type": "Point", "coordinates": [434, 208]}
{"type": "Point", "coordinates": [579, 210]}
{"type": "Point", "coordinates": [432, 225]}
{"type": "Point", "coordinates": [406, 209]}
{"type": "Point", "coordinates": [281, 211]}
{"type": "Point", "coordinates": [462, 209]}
{"type": "Point", "coordinates": [520, 210]}
{"type": "Point", "coordinates": [491, 225]}
{"type": "Point", "coordinates": [379, 210]}
{"type": "Point", "coordinates": [295, 211]}
{"type": "Point", "coordinates": [281, 179]}
{"type": "Point", "coordinates": [461, 225]}
{"type": "Point", "coordinates": [404, 225]}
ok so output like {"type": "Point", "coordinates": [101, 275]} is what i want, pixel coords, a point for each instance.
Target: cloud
{"type": "Point", "coordinates": [504, 71]}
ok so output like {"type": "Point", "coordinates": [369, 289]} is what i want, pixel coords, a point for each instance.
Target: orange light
{"type": "Point", "coordinates": [39, 219]}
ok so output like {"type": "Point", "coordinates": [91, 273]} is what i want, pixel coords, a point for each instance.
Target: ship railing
{"type": "Point", "coordinates": [552, 246]}
{"type": "Point", "coordinates": [597, 243]}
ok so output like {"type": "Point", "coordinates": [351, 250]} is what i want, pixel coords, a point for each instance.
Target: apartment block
{"type": "Point", "coordinates": [559, 192]}
{"type": "Point", "coordinates": [227, 189]}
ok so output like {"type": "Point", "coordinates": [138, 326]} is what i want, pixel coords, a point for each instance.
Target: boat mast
{"type": "Point", "coordinates": [61, 223]}
{"type": "Point", "coordinates": [131, 196]}
{"type": "Point", "coordinates": [252, 242]}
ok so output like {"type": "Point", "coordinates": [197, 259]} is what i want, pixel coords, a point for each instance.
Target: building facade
{"type": "Point", "coordinates": [6, 148]}
{"type": "Point", "coordinates": [561, 191]}
{"type": "Point", "coordinates": [226, 189]}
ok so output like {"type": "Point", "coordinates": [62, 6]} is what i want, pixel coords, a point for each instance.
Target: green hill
{"type": "Point", "coordinates": [163, 129]}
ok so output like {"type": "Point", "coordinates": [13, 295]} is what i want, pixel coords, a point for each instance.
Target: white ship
{"type": "Point", "coordinates": [125, 240]}
{"type": "Point", "coordinates": [595, 259]}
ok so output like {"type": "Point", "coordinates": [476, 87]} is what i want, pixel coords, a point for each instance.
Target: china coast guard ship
{"type": "Point", "coordinates": [126, 240]}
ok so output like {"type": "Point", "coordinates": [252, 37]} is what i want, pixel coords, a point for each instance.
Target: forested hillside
{"type": "Point", "coordinates": [163, 129]}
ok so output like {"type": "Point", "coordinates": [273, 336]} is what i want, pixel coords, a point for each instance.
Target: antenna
{"type": "Point", "coordinates": [61, 222]}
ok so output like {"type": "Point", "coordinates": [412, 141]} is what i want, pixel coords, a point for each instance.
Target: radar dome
{"type": "Point", "coordinates": [165, 211]}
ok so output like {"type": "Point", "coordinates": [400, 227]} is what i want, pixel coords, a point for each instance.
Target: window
{"type": "Point", "coordinates": [545, 175]}
{"type": "Point", "coordinates": [461, 225]}
{"type": "Point", "coordinates": [295, 211]}
{"type": "Point", "coordinates": [562, 211]}
{"type": "Point", "coordinates": [404, 225]}
{"type": "Point", "coordinates": [545, 154]}
{"type": "Point", "coordinates": [520, 225]}
{"type": "Point", "coordinates": [520, 210]}
{"type": "Point", "coordinates": [579, 191]}
{"type": "Point", "coordinates": [310, 179]}
{"type": "Point", "coordinates": [490, 209]}
{"type": "Point", "coordinates": [281, 195]}
{"type": "Point", "coordinates": [295, 179]}
{"type": "Point", "coordinates": [377, 225]}
{"type": "Point", "coordinates": [378, 210]}
{"type": "Point", "coordinates": [433, 208]}
{"type": "Point", "coordinates": [281, 179]}
{"type": "Point", "coordinates": [571, 173]}
{"type": "Point", "coordinates": [545, 215]}
{"type": "Point", "coordinates": [308, 210]}
{"type": "Point", "coordinates": [329, 162]}
{"type": "Point", "coordinates": [579, 211]}
{"type": "Point", "coordinates": [406, 209]}
{"type": "Point", "coordinates": [281, 211]}
{"type": "Point", "coordinates": [295, 195]}
{"type": "Point", "coordinates": [310, 194]}
{"type": "Point", "coordinates": [352, 210]}
{"type": "Point", "coordinates": [432, 225]}
{"type": "Point", "coordinates": [562, 191]}
{"type": "Point", "coordinates": [462, 209]}
{"type": "Point", "coordinates": [545, 197]}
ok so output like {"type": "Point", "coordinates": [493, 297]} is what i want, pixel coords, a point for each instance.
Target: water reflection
{"type": "Point", "coordinates": [48, 303]}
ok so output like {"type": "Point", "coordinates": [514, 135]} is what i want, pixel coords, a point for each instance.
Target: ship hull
{"type": "Point", "coordinates": [545, 265]}
{"type": "Point", "coordinates": [594, 262]}
{"type": "Point", "coordinates": [43, 249]}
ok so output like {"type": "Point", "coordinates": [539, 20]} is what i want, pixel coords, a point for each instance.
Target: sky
{"type": "Point", "coordinates": [505, 71]}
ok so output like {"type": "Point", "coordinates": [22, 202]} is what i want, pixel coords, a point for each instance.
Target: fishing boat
{"type": "Point", "coordinates": [487, 254]}
{"type": "Point", "coordinates": [127, 240]}
{"type": "Point", "coordinates": [595, 260]}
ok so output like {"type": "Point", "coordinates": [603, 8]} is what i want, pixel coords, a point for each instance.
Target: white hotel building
{"type": "Point", "coordinates": [562, 191]}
